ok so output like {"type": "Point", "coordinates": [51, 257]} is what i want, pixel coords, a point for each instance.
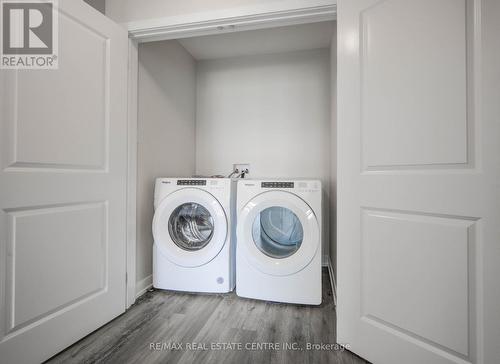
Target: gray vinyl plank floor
{"type": "Point", "coordinates": [214, 328]}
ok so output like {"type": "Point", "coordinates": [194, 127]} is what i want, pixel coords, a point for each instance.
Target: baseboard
{"type": "Point", "coordinates": [143, 286]}
{"type": "Point", "coordinates": [325, 259]}
{"type": "Point", "coordinates": [332, 281]}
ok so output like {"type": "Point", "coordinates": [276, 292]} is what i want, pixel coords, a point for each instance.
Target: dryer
{"type": "Point", "coordinates": [193, 247]}
{"type": "Point", "coordinates": [278, 254]}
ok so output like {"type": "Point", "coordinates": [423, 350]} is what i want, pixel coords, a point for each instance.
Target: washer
{"type": "Point", "coordinates": [193, 246]}
{"type": "Point", "coordinates": [278, 254]}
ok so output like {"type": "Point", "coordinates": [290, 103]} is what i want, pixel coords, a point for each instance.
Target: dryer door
{"type": "Point", "coordinates": [190, 227]}
{"type": "Point", "coordinates": [278, 233]}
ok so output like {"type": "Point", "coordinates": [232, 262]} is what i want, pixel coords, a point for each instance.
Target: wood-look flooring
{"type": "Point", "coordinates": [174, 320]}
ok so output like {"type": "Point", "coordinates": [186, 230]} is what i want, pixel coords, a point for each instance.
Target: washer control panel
{"type": "Point", "coordinates": [191, 182]}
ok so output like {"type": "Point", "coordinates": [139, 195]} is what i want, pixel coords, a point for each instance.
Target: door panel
{"type": "Point", "coordinates": [402, 260]}
{"type": "Point", "coordinates": [397, 119]}
{"type": "Point", "coordinates": [60, 141]}
{"type": "Point", "coordinates": [84, 226]}
{"type": "Point", "coordinates": [63, 190]}
{"type": "Point", "coordinates": [418, 191]}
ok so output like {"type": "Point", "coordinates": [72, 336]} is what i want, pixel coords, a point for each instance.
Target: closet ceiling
{"type": "Point", "coordinates": [263, 41]}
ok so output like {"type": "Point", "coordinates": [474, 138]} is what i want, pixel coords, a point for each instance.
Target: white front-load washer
{"type": "Point", "coordinates": [193, 247]}
{"type": "Point", "coordinates": [278, 253]}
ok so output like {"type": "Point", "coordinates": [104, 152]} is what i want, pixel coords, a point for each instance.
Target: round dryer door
{"type": "Point", "coordinates": [278, 233]}
{"type": "Point", "coordinates": [190, 227]}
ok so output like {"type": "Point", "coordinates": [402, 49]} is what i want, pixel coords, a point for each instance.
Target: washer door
{"type": "Point", "coordinates": [278, 233]}
{"type": "Point", "coordinates": [190, 227]}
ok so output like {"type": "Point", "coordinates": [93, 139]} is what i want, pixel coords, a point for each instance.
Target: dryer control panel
{"type": "Point", "coordinates": [277, 185]}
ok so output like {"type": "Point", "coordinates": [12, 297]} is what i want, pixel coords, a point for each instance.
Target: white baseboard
{"type": "Point", "coordinates": [143, 286]}
{"type": "Point", "coordinates": [332, 281]}
{"type": "Point", "coordinates": [325, 259]}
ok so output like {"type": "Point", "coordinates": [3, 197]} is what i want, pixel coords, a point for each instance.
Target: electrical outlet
{"type": "Point", "coordinates": [242, 167]}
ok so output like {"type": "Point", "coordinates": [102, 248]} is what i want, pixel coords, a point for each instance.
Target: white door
{"type": "Point", "coordinates": [419, 180]}
{"type": "Point", "coordinates": [63, 190]}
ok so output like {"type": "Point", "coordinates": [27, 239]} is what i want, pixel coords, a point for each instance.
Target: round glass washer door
{"type": "Point", "coordinates": [189, 227]}
{"type": "Point", "coordinates": [277, 233]}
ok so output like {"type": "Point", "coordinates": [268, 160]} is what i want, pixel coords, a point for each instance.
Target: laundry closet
{"type": "Point", "coordinates": [259, 97]}
{"type": "Point", "coordinates": [408, 163]}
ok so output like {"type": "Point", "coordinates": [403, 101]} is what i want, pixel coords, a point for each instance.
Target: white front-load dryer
{"type": "Point", "coordinates": [193, 247]}
{"type": "Point", "coordinates": [278, 254]}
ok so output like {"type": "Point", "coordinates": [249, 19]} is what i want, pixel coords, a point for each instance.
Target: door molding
{"type": "Point", "coordinates": [217, 22]}
{"type": "Point", "coordinates": [133, 73]}
{"type": "Point", "coordinates": [170, 28]}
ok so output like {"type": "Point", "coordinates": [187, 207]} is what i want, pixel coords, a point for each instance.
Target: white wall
{"type": "Point", "coordinates": [99, 5]}
{"type": "Point", "coordinates": [124, 11]}
{"type": "Point", "coordinates": [272, 111]}
{"type": "Point", "coordinates": [166, 126]}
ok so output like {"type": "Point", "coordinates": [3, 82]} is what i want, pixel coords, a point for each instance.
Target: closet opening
{"type": "Point", "coordinates": [259, 97]}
